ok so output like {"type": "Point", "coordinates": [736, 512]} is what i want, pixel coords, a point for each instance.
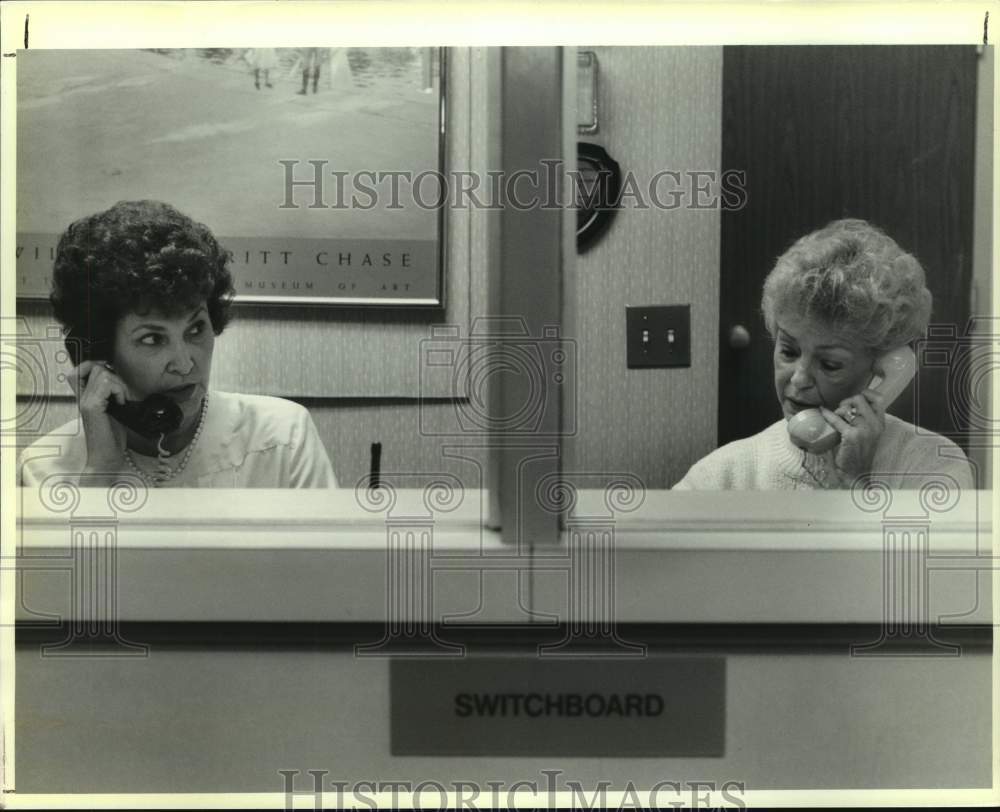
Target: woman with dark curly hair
{"type": "Point", "coordinates": [842, 305]}
{"type": "Point", "coordinates": [142, 291]}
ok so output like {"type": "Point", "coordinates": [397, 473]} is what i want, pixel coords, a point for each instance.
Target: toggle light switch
{"type": "Point", "coordinates": [658, 336]}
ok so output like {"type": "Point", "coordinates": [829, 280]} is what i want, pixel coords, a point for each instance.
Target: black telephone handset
{"type": "Point", "coordinates": [151, 417]}
{"type": "Point", "coordinates": [893, 371]}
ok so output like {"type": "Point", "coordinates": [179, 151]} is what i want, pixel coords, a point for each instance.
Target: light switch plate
{"type": "Point", "coordinates": [658, 336]}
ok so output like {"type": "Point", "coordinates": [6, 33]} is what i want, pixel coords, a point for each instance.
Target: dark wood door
{"type": "Point", "coordinates": [886, 134]}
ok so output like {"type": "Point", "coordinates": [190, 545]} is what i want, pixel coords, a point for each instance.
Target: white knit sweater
{"type": "Point", "coordinates": [906, 457]}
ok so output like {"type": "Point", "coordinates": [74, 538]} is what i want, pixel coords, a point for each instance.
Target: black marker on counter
{"type": "Point", "coordinates": [376, 466]}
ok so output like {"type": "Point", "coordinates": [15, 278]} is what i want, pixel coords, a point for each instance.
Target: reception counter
{"type": "Point", "coordinates": [206, 642]}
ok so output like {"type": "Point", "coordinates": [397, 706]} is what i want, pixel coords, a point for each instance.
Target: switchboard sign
{"type": "Point", "coordinates": [530, 706]}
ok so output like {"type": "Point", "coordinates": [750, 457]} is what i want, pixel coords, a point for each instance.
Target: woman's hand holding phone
{"type": "Point", "coordinates": [96, 385]}
{"type": "Point", "coordinates": [860, 421]}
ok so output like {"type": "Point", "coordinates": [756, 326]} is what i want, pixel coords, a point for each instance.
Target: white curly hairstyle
{"type": "Point", "coordinates": [853, 277]}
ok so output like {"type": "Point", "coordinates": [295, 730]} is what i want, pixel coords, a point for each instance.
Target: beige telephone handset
{"type": "Point", "coordinates": [893, 371]}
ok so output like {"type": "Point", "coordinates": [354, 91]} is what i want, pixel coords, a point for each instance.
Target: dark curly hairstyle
{"type": "Point", "coordinates": [138, 256]}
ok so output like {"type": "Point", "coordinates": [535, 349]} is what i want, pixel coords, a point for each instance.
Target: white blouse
{"type": "Point", "coordinates": [248, 441]}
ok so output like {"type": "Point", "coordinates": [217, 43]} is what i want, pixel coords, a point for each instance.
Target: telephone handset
{"type": "Point", "coordinates": [155, 415]}
{"type": "Point", "coordinates": [893, 371]}
{"type": "Point", "coordinates": [151, 417]}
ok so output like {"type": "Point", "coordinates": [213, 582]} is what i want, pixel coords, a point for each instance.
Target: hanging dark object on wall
{"type": "Point", "coordinates": [597, 193]}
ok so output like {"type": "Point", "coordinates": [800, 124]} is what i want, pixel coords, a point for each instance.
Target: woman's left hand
{"type": "Point", "coordinates": [860, 421]}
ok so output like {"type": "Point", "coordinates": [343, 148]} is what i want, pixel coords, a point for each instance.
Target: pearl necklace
{"type": "Point", "coordinates": [164, 473]}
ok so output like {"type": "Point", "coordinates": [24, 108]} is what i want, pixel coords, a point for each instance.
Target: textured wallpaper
{"type": "Point", "coordinates": [659, 109]}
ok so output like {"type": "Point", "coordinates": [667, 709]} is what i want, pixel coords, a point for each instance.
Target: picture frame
{"type": "Point", "coordinates": [344, 208]}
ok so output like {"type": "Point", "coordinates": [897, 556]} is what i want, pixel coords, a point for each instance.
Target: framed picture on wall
{"type": "Point", "coordinates": [321, 170]}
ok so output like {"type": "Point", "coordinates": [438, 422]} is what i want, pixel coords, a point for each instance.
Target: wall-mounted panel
{"type": "Point", "coordinates": [659, 111]}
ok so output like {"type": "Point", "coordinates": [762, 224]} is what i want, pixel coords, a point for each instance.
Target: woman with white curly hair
{"type": "Point", "coordinates": [837, 303]}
